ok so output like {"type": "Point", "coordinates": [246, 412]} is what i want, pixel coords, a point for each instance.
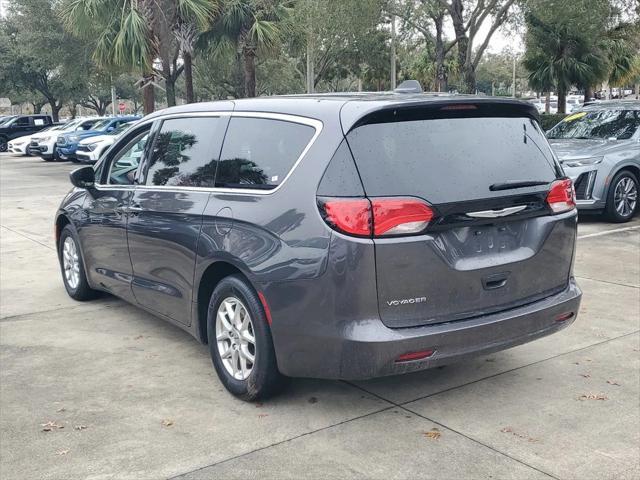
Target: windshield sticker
{"type": "Point", "coordinates": [575, 116]}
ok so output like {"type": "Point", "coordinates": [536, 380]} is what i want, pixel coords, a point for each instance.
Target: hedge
{"type": "Point", "coordinates": [548, 121]}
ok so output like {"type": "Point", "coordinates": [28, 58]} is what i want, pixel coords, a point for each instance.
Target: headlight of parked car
{"type": "Point", "coordinates": [74, 138]}
{"type": "Point", "coordinates": [583, 162]}
{"type": "Point", "coordinates": [91, 146]}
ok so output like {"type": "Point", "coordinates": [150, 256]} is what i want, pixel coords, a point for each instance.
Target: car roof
{"type": "Point", "coordinates": [613, 105]}
{"type": "Point", "coordinates": [346, 107]}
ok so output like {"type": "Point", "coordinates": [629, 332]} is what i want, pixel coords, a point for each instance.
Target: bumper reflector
{"type": "Point", "coordinates": [408, 357]}
{"type": "Point", "coordinates": [564, 316]}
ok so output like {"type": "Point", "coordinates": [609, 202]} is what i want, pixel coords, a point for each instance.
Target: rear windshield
{"type": "Point", "coordinates": [451, 159]}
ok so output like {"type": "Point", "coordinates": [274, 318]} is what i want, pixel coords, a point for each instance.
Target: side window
{"type": "Point", "coordinates": [185, 152]}
{"type": "Point", "coordinates": [260, 152]}
{"type": "Point", "coordinates": [125, 162]}
{"type": "Point", "coordinates": [22, 122]}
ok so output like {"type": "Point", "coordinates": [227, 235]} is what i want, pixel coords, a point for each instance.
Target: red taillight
{"type": "Point", "coordinates": [561, 196]}
{"type": "Point", "coordinates": [409, 357]}
{"type": "Point", "coordinates": [348, 215]}
{"type": "Point", "coordinates": [398, 216]}
{"type": "Point", "coordinates": [377, 217]}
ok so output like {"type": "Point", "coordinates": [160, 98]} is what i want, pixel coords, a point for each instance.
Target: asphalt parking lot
{"type": "Point", "coordinates": [103, 390]}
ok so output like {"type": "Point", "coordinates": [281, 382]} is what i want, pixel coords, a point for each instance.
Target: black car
{"type": "Point", "coordinates": [333, 236]}
{"type": "Point", "coordinates": [21, 125]}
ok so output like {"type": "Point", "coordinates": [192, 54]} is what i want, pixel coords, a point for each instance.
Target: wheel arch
{"type": "Point", "coordinates": [61, 221]}
{"type": "Point", "coordinates": [630, 167]}
{"type": "Point", "coordinates": [213, 274]}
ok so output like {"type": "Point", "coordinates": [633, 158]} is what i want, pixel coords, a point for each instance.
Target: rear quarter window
{"type": "Point", "coordinates": [451, 159]}
{"type": "Point", "coordinates": [259, 153]}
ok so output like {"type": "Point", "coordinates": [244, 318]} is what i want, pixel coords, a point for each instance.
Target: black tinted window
{"type": "Point", "coordinates": [260, 152]}
{"type": "Point", "coordinates": [451, 159]}
{"type": "Point", "coordinates": [22, 121]}
{"type": "Point", "coordinates": [185, 152]}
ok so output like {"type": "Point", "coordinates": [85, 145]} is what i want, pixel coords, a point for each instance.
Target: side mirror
{"type": "Point", "coordinates": [83, 177]}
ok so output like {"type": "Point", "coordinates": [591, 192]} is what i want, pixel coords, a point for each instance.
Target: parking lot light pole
{"type": "Point", "coordinates": [113, 98]}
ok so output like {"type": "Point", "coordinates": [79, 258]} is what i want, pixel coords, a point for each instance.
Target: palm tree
{"type": "Point", "coordinates": [251, 27]}
{"type": "Point", "coordinates": [192, 19]}
{"type": "Point", "coordinates": [135, 34]}
{"type": "Point", "coordinates": [559, 56]}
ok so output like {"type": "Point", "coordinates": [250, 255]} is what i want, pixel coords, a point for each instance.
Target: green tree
{"type": "Point", "coordinates": [133, 34]}
{"type": "Point", "coordinates": [38, 57]}
{"type": "Point", "coordinates": [251, 28]}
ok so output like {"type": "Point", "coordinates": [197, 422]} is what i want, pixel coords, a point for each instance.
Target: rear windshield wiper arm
{"type": "Point", "coordinates": [510, 185]}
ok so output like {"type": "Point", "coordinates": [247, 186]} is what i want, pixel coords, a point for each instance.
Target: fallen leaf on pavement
{"type": "Point", "coordinates": [49, 426]}
{"type": "Point", "coordinates": [434, 434]}
{"type": "Point", "coordinates": [60, 410]}
{"type": "Point", "coordinates": [585, 375]}
{"type": "Point", "coordinates": [80, 427]}
{"type": "Point", "coordinates": [613, 382]}
{"type": "Point", "coordinates": [519, 435]}
{"type": "Point", "coordinates": [593, 396]}
{"type": "Point", "coordinates": [63, 452]}
{"type": "Point", "coordinates": [262, 415]}
{"type": "Point", "coordinates": [167, 422]}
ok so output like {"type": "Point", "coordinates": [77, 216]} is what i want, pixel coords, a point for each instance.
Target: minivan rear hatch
{"type": "Point", "coordinates": [486, 171]}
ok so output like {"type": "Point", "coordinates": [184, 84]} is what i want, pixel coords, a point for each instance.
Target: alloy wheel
{"type": "Point", "coordinates": [71, 262]}
{"type": "Point", "coordinates": [235, 338]}
{"type": "Point", "coordinates": [625, 196]}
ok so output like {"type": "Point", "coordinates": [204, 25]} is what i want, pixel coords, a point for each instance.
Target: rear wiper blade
{"type": "Point", "coordinates": [510, 185]}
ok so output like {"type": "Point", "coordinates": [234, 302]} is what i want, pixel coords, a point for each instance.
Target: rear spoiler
{"type": "Point", "coordinates": [445, 107]}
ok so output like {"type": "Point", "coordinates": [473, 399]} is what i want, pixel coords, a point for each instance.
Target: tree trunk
{"type": "Point", "coordinates": [547, 103]}
{"type": "Point", "coordinates": [588, 93]}
{"type": "Point", "coordinates": [310, 64]}
{"type": "Point", "coordinates": [467, 70]}
{"type": "Point", "coordinates": [73, 110]}
{"type": "Point", "coordinates": [102, 108]}
{"type": "Point", "coordinates": [188, 76]}
{"type": "Point", "coordinates": [55, 110]}
{"type": "Point", "coordinates": [148, 95]}
{"type": "Point", "coordinates": [562, 100]}
{"type": "Point", "coordinates": [441, 73]}
{"type": "Point", "coordinates": [249, 61]}
{"type": "Point", "coordinates": [170, 85]}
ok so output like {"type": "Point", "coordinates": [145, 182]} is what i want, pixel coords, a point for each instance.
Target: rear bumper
{"type": "Point", "coordinates": [368, 349]}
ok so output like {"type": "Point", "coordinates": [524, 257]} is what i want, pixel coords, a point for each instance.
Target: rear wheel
{"type": "Point", "coordinates": [72, 266]}
{"type": "Point", "coordinates": [3, 144]}
{"type": "Point", "coordinates": [240, 341]}
{"type": "Point", "coordinates": [622, 199]}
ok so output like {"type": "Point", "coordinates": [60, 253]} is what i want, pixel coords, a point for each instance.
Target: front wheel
{"type": "Point", "coordinates": [4, 145]}
{"type": "Point", "coordinates": [622, 198]}
{"type": "Point", "coordinates": [72, 266]}
{"type": "Point", "coordinates": [240, 341]}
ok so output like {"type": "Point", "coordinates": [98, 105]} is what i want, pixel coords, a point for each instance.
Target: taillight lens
{"type": "Point", "coordinates": [348, 215]}
{"type": "Point", "coordinates": [377, 217]}
{"type": "Point", "coordinates": [397, 216]}
{"type": "Point", "coordinates": [561, 196]}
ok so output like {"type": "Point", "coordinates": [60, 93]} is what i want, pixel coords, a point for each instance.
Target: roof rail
{"type": "Point", "coordinates": [409, 86]}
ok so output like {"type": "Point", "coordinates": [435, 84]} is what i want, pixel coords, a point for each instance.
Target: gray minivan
{"type": "Point", "coordinates": [335, 236]}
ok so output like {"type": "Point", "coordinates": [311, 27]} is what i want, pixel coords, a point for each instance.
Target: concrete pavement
{"type": "Point", "coordinates": [126, 395]}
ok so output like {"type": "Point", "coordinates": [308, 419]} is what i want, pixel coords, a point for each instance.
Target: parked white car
{"type": "Point", "coordinates": [22, 145]}
{"type": "Point", "coordinates": [90, 149]}
{"type": "Point", "coordinates": [44, 143]}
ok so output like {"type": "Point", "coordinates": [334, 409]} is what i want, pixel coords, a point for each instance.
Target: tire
{"type": "Point", "coordinates": [70, 257]}
{"type": "Point", "coordinates": [4, 144]}
{"type": "Point", "coordinates": [622, 198]}
{"type": "Point", "coordinates": [257, 380]}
